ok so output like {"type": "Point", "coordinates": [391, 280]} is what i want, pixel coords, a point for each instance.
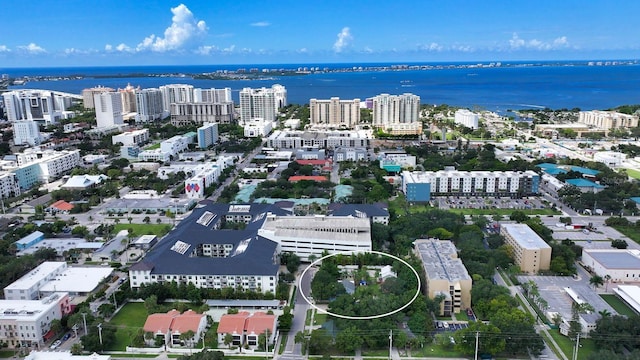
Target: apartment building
{"type": "Point", "coordinates": [26, 132]}
{"type": "Point", "coordinates": [607, 120]}
{"type": "Point", "coordinates": [109, 110]}
{"type": "Point", "coordinates": [530, 251]}
{"type": "Point", "coordinates": [36, 165]}
{"type": "Point", "coordinates": [199, 113]}
{"type": "Point", "coordinates": [466, 118]}
{"type": "Point", "coordinates": [445, 274]}
{"type": "Point", "coordinates": [318, 139]}
{"type": "Point", "coordinates": [9, 186]}
{"type": "Point", "coordinates": [212, 95]}
{"type": "Point", "coordinates": [43, 106]}
{"type": "Point", "coordinates": [175, 94]}
{"type": "Point", "coordinates": [207, 135]}
{"type": "Point", "coordinates": [128, 98]}
{"type": "Point", "coordinates": [395, 109]}
{"type": "Point", "coordinates": [149, 105]}
{"type": "Point", "coordinates": [88, 94]}
{"type": "Point", "coordinates": [335, 112]}
{"type": "Point", "coordinates": [261, 103]}
{"type": "Point", "coordinates": [130, 138]}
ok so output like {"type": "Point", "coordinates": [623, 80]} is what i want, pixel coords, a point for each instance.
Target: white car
{"type": "Point", "coordinates": [55, 344]}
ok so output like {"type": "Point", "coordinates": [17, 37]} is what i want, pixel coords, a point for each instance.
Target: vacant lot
{"type": "Point", "coordinates": [127, 322]}
{"type": "Point", "coordinates": [144, 229]}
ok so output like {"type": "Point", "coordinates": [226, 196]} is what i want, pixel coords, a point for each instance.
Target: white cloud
{"type": "Point", "coordinates": [123, 48]}
{"type": "Point", "coordinates": [367, 50]}
{"type": "Point", "coordinates": [32, 48]}
{"type": "Point", "coordinates": [431, 47]}
{"type": "Point", "coordinates": [183, 31]}
{"type": "Point", "coordinates": [4, 48]}
{"type": "Point", "coordinates": [343, 41]}
{"type": "Point", "coordinates": [303, 51]}
{"type": "Point", "coordinates": [230, 49]}
{"type": "Point", "coordinates": [108, 48]}
{"type": "Point", "coordinates": [206, 49]}
{"type": "Point", "coordinates": [516, 43]}
{"type": "Point", "coordinates": [261, 24]}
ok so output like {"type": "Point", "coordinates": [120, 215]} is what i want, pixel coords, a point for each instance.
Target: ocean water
{"type": "Point", "coordinates": [496, 89]}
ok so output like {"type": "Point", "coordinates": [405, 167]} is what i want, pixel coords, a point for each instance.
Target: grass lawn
{"type": "Point", "coordinates": [462, 316]}
{"type": "Point", "coordinates": [211, 337]}
{"type": "Point", "coordinates": [153, 147]}
{"type": "Point", "coordinates": [6, 354]}
{"type": "Point", "coordinates": [128, 320]}
{"type": "Point", "coordinates": [633, 173]}
{"type": "Point", "coordinates": [146, 356]}
{"type": "Point", "coordinates": [587, 346]}
{"type": "Point", "coordinates": [399, 204]}
{"type": "Point", "coordinates": [632, 232]}
{"type": "Point", "coordinates": [319, 319]}
{"type": "Point", "coordinates": [436, 351]}
{"type": "Point", "coordinates": [618, 305]}
{"type": "Point", "coordinates": [375, 352]}
{"type": "Point", "coordinates": [144, 229]}
{"type": "Point", "coordinates": [307, 320]}
{"type": "Point", "coordinates": [283, 344]}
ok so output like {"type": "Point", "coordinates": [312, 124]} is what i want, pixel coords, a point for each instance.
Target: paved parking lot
{"type": "Point", "coordinates": [476, 202]}
{"type": "Point", "coordinates": [450, 326]}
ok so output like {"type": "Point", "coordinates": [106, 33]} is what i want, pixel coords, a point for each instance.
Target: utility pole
{"type": "Point", "coordinates": [100, 332]}
{"type": "Point", "coordinates": [477, 343]}
{"type": "Point", "coordinates": [390, 342]}
{"type": "Point", "coordinates": [575, 351]}
{"type": "Point", "coordinates": [84, 321]}
{"type": "Point", "coordinates": [266, 343]}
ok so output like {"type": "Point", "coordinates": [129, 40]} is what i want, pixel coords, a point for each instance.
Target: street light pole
{"type": "Point", "coordinates": [100, 332]}
{"type": "Point", "coordinates": [84, 321]}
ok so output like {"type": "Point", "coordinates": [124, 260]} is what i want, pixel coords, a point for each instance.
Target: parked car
{"type": "Point", "coordinates": [55, 344]}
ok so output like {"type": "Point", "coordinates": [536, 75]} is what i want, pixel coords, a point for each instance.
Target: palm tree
{"type": "Point", "coordinates": [607, 279]}
{"type": "Point", "coordinates": [604, 313]}
{"type": "Point", "coordinates": [596, 281]}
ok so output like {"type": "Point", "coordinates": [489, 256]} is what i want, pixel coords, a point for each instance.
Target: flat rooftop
{"type": "Point", "coordinates": [61, 245]}
{"type": "Point", "coordinates": [28, 310]}
{"type": "Point", "coordinates": [77, 279]}
{"type": "Point", "coordinates": [439, 260]}
{"type": "Point", "coordinates": [524, 236]}
{"type": "Point", "coordinates": [615, 259]}
{"type": "Point", "coordinates": [36, 275]}
{"type": "Point", "coordinates": [348, 229]}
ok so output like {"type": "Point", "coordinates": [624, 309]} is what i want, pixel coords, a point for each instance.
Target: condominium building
{"type": "Point", "coordinates": [335, 112]}
{"type": "Point", "coordinates": [108, 107]}
{"type": "Point", "coordinates": [199, 113]}
{"type": "Point", "coordinates": [129, 138]}
{"type": "Point", "coordinates": [607, 120]}
{"type": "Point", "coordinates": [88, 94]}
{"type": "Point", "coordinates": [312, 235]}
{"type": "Point", "coordinates": [420, 186]}
{"type": "Point", "coordinates": [42, 106]}
{"type": "Point", "coordinates": [128, 95]}
{"type": "Point", "coordinates": [207, 135]}
{"type": "Point", "coordinates": [317, 139]}
{"type": "Point", "coordinates": [466, 118]}
{"type": "Point", "coordinates": [176, 144]}
{"type": "Point", "coordinates": [258, 103]}
{"type": "Point", "coordinates": [175, 94]}
{"type": "Point", "coordinates": [530, 251]}
{"type": "Point", "coordinates": [9, 186]}
{"type": "Point", "coordinates": [149, 105]}
{"type": "Point", "coordinates": [207, 176]}
{"type": "Point", "coordinates": [395, 109]}
{"type": "Point", "coordinates": [445, 274]}
{"type": "Point", "coordinates": [212, 95]}
{"type": "Point", "coordinates": [26, 323]}
{"type": "Point", "coordinates": [26, 132]}
{"type": "Point", "coordinates": [35, 165]}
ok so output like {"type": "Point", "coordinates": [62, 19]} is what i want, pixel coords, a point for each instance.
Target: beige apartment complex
{"type": "Point", "coordinates": [607, 120]}
{"type": "Point", "coordinates": [445, 274]}
{"type": "Point", "coordinates": [530, 252]}
{"type": "Point", "coordinates": [335, 112]}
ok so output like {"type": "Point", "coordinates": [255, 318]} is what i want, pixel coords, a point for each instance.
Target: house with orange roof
{"type": "Point", "coordinates": [60, 207]}
{"type": "Point", "coordinates": [297, 178]}
{"type": "Point", "coordinates": [246, 328]}
{"type": "Point", "coordinates": [172, 325]}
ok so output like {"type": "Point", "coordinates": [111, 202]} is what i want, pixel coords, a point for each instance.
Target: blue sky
{"type": "Point", "coordinates": [134, 32]}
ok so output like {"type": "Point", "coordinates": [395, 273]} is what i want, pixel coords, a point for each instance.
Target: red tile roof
{"type": "Point", "coordinates": [303, 177]}
{"type": "Point", "coordinates": [259, 322]}
{"type": "Point", "coordinates": [314, 162]}
{"type": "Point", "coordinates": [173, 321]}
{"type": "Point", "coordinates": [62, 205]}
{"type": "Point", "coordinates": [232, 323]}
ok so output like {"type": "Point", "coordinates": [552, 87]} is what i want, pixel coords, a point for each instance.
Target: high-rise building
{"type": "Point", "coordinates": [42, 106]}
{"type": "Point", "coordinates": [26, 132]}
{"type": "Point", "coordinates": [176, 94]}
{"type": "Point", "coordinates": [207, 135]}
{"type": "Point", "coordinates": [607, 120]}
{"type": "Point", "coordinates": [262, 103]}
{"type": "Point", "coordinates": [466, 118]}
{"type": "Point", "coordinates": [394, 109]}
{"type": "Point", "coordinates": [199, 113]}
{"type": "Point", "coordinates": [212, 95]}
{"type": "Point", "coordinates": [108, 109]}
{"type": "Point", "coordinates": [335, 112]}
{"type": "Point", "coordinates": [149, 105]}
{"type": "Point", "coordinates": [128, 98]}
{"type": "Point", "coordinates": [88, 94]}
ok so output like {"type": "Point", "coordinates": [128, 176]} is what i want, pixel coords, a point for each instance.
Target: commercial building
{"type": "Point", "coordinates": [610, 158]}
{"type": "Point", "coordinates": [196, 185]}
{"type": "Point", "coordinates": [445, 275]}
{"type": "Point", "coordinates": [245, 328]}
{"type": "Point", "coordinates": [318, 139]}
{"type": "Point", "coordinates": [466, 118]}
{"type": "Point", "coordinates": [176, 144]}
{"type": "Point", "coordinates": [199, 113]}
{"type": "Point", "coordinates": [170, 326]}
{"type": "Point", "coordinates": [88, 94]}
{"type": "Point", "coordinates": [530, 251]}
{"type": "Point", "coordinates": [28, 286]}
{"type": "Point", "coordinates": [262, 103]}
{"type": "Point", "coordinates": [335, 112]}
{"type": "Point", "coordinates": [149, 105]}
{"type": "Point", "coordinates": [630, 294]}
{"type": "Point", "coordinates": [43, 106]}
{"type": "Point", "coordinates": [376, 213]}
{"type": "Point", "coordinates": [26, 132]}
{"type": "Point", "coordinates": [257, 127]}
{"type": "Point", "coordinates": [82, 182]}
{"type": "Point", "coordinates": [26, 323]}
{"type": "Point", "coordinates": [395, 109]}
{"type": "Point", "coordinates": [312, 235]}
{"type": "Point", "coordinates": [28, 241]}
{"type": "Point", "coordinates": [63, 355]}
{"type": "Point", "coordinates": [618, 265]}
{"type": "Point", "coordinates": [108, 107]}
{"type": "Point", "coordinates": [420, 186]}
{"type": "Point", "coordinates": [350, 154]}
{"type": "Point", "coordinates": [607, 120]}
{"type": "Point", "coordinates": [129, 138]}
{"type": "Point", "coordinates": [207, 135]}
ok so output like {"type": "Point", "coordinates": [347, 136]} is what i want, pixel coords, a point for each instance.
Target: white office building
{"type": "Point", "coordinates": [176, 144]}
{"type": "Point", "coordinates": [130, 138]}
{"type": "Point", "coordinates": [108, 107]}
{"type": "Point", "coordinates": [312, 235]}
{"type": "Point", "coordinates": [26, 132]}
{"type": "Point", "coordinates": [175, 94]}
{"type": "Point", "coordinates": [149, 105]}
{"type": "Point", "coordinates": [262, 103]}
{"type": "Point", "coordinates": [26, 323]}
{"type": "Point", "coordinates": [466, 118]}
{"type": "Point", "coordinates": [257, 128]}
{"type": "Point", "coordinates": [335, 112]}
{"type": "Point", "coordinates": [395, 109]}
{"type": "Point", "coordinates": [42, 106]}
{"type": "Point", "coordinates": [620, 265]}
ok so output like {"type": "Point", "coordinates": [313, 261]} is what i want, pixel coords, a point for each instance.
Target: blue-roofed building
{"type": "Point", "coordinates": [585, 185]}
{"type": "Point", "coordinates": [636, 199]}
{"type": "Point", "coordinates": [29, 240]}
{"type": "Point", "coordinates": [585, 171]}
